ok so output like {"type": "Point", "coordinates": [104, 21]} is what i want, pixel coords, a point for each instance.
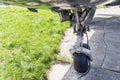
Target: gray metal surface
{"type": "Point", "coordinates": [86, 3]}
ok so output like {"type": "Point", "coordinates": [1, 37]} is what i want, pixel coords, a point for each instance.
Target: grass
{"type": "Point", "coordinates": [100, 7]}
{"type": "Point", "coordinates": [63, 59]}
{"type": "Point", "coordinates": [29, 43]}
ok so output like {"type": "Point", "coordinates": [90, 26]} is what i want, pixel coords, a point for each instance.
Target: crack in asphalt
{"type": "Point", "coordinates": [106, 46]}
{"type": "Point", "coordinates": [111, 70]}
{"type": "Point", "coordinates": [95, 68]}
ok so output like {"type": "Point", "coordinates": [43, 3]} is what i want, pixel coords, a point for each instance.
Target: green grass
{"type": "Point", "coordinates": [29, 43]}
{"type": "Point", "coordinates": [100, 7]}
{"type": "Point", "coordinates": [63, 59]}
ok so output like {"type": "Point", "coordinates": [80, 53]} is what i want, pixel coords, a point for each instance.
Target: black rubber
{"type": "Point", "coordinates": [32, 9]}
{"type": "Point", "coordinates": [81, 61]}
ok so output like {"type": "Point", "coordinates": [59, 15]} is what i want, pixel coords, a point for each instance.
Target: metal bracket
{"type": "Point", "coordinates": [81, 50]}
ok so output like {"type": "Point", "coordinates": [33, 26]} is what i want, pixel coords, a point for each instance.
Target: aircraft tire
{"type": "Point", "coordinates": [81, 61]}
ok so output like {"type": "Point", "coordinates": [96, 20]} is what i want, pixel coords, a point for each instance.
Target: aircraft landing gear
{"type": "Point", "coordinates": [80, 52]}
{"type": "Point", "coordinates": [80, 19]}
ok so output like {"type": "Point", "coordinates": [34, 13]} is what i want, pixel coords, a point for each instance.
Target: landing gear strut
{"type": "Point", "coordinates": [80, 51]}
{"type": "Point", "coordinates": [80, 19]}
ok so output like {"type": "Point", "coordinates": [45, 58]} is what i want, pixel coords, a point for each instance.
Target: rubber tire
{"type": "Point", "coordinates": [81, 61]}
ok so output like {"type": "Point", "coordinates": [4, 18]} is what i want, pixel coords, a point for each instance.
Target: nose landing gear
{"type": "Point", "coordinates": [80, 52]}
{"type": "Point", "coordinates": [80, 18]}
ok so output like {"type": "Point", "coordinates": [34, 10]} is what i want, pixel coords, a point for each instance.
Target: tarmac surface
{"type": "Point", "coordinates": [104, 40]}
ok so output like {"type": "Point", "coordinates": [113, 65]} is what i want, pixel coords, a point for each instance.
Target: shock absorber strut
{"type": "Point", "coordinates": [79, 30]}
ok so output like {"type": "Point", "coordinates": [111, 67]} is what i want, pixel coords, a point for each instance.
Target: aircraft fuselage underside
{"type": "Point", "coordinates": [94, 2]}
